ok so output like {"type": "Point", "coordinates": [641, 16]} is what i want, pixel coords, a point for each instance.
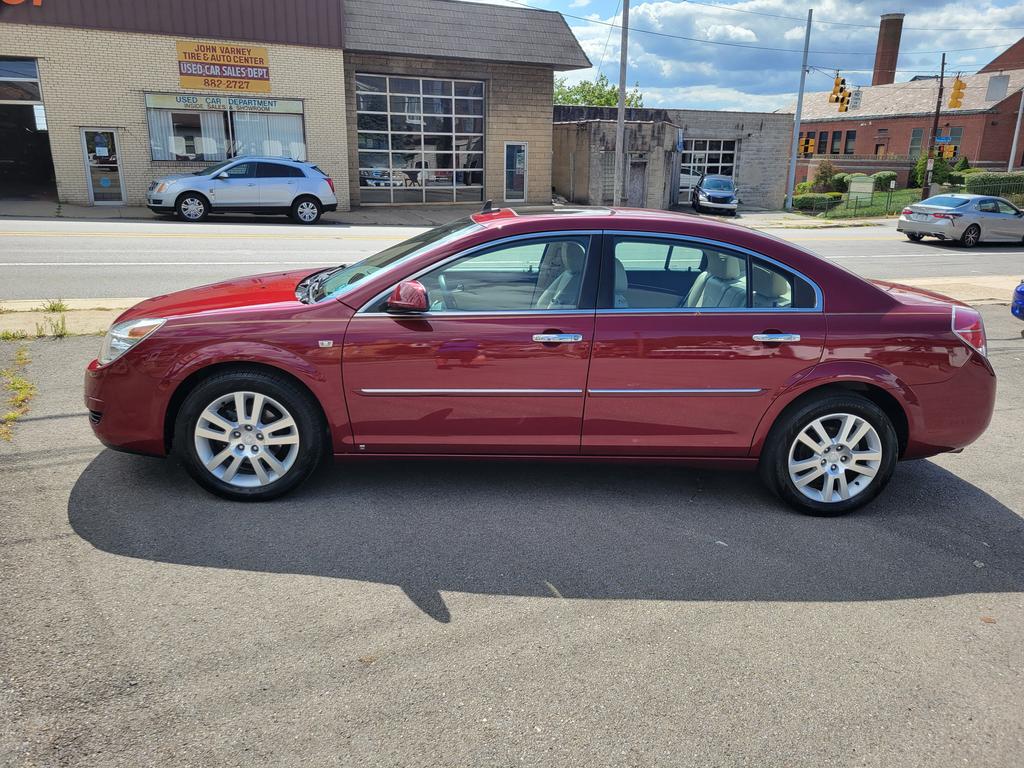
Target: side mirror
{"type": "Point", "coordinates": [223, 175]}
{"type": "Point", "coordinates": [408, 296]}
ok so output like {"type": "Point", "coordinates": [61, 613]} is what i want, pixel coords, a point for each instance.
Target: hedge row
{"type": "Point", "coordinates": [989, 183]}
{"type": "Point", "coordinates": [882, 179]}
{"type": "Point", "coordinates": [814, 201]}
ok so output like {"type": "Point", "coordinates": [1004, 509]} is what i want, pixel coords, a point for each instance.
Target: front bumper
{"type": "Point", "coordinates": [730, 206]}
{"type": "Point", "coordinates": [944, 229]}
{"type": "Point", "coordinates": [125, 414]}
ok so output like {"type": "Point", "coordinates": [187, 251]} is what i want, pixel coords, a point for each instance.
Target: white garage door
{"type": "Point", "coordinates": [700, 156]}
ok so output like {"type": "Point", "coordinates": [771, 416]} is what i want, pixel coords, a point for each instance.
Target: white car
{"type": "Point", "coordinates": [966, 219]}
{"type": "Point", "coordinates": [261, 185]}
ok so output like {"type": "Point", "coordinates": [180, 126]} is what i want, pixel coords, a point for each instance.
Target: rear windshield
{"type": "Point", "coordinates": [946, 201]}
{"type": "Point", "coordinates": [319, 170]}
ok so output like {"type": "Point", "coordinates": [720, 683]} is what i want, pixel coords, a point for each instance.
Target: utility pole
{"type": "Point", "coordinates": [620, 125]}
{"type": "Point", "coordinates": [1016, 133]}
{"type": "Point", "coordinates": [927, 186]}
{"type": "Point", "coordinates": [791, 180]}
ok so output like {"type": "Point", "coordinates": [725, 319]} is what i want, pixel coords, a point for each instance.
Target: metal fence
{"type": "Point", "coordinates": [1012, 191]}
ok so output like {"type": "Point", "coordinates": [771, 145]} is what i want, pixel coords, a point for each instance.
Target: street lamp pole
{"type": "Point", "coordinates": [791, 180]}
{"type": "Point", "coordinates": [620, 125]}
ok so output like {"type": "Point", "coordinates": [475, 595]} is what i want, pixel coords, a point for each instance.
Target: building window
{"type": "Point", "coordinates": [515, 171]}
{"type": "Point", "coordinates": [916, 137]}
{"type": "Point", "coordinates": [821, 147]}
{"type": "Point", "coordinates": [19, 80]}
{"type": "Point", "coordinates": [213, 128]}
{"type": "Point", "coordinates": [956, 135]}
{"type": "Point", "coordinates": [837, 143]}
{"type": "Point", "coordinates": [419, 140]}
{"type": "Point", "coordinates": [701, 156]}
{"type": "Point", "coordinates": [851, 143]}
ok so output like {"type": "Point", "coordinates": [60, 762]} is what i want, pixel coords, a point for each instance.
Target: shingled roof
{"type": "Point", "coordinates": [916, 97]}
{"type": "Point", "coordinates": [460, 30]}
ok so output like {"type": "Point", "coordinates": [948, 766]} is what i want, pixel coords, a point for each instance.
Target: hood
{"type": "Point", "coordinates": [907, 294]}
{"type": "Point", "coordinates": [174, 177]}
{"type": "Point", "coordinates": [243, 292]}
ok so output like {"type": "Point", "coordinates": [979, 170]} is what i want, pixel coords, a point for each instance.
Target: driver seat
{"type": "Point", "coordinates": [564, 290]}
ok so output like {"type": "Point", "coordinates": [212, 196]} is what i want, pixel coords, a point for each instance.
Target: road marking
{"type": "Point", "coordinates": [163, 263]}
{"type": "Point", "coordinates": [913, 255]}
{"type": "Point", "coordinates": [194, 235]}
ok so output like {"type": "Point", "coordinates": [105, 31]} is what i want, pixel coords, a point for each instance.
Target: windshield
{"type": "Point", "coordinates": [724, 185]}
{"type": "Point", "coordinates": [212, 169]}
{"type": "Point", "coordinates": [946, 201]}
{"type": "Point", "coordinates": [335, 282]}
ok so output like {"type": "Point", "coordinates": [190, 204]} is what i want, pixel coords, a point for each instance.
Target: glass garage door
{"type": "Point", "coordinates": [700, 156]}
{"type": "Point", "coordinates": [420, 140]}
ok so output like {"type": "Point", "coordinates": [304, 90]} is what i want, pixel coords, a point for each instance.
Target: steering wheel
{"type": "Point", "coordinates": [446, 294]}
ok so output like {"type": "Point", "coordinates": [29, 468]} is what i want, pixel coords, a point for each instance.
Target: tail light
{"type": "Point", "coordinates": [968, 325]}
{"type": "Point", "coordinates": [947, 215]}
{"type": "Point", "coordinates": [906, 212]}
{"type": "Point", "coordinates": [330, 183]}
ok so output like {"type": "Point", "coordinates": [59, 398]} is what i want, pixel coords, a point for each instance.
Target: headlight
{"type": "Point", "coordinates": [123, 336]}
{"type": "Point", "coordinates": [702, 194]}
{"type": "Point", "coordinates": [161, 187]}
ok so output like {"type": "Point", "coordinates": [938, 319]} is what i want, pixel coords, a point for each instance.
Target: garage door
{"type": "Point", "coordinates": [700, 156]}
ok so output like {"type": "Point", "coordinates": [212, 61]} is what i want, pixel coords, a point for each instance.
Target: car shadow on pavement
{"type": "Point", "coordinates": [628, 532]}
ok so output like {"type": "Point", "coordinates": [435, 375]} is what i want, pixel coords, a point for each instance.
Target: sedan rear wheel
{"type": "Point", "coordinates": [192, 207]}
{"type": "Point", "coordinates": [971, 236]}
{"type": "Point", "coordinates": [915, 236]}
{"type": "Point", "coordinates": [831, 455]}
{"type": "Point", "coordinates": [249, 435]}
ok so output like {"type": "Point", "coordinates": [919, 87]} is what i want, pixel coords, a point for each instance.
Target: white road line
{"type": "Point", "coordinates": [165, 263]}
{"type": "Point", "coordinates": [937, 254]}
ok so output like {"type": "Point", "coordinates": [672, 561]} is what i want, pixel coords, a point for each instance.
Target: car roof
{"type": "Point", "coordinates": [717, 176]}
{"type": "Point", "coordinates": [269, 159]}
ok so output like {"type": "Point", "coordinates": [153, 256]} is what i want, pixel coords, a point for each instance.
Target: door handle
{"type": "Point", "coordinates": [776, 338]}
{"type": "Point", "coordinates": [557, 338]}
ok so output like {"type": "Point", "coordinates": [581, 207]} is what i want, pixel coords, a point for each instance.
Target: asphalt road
{"type": "Point", "coordinates": [504, 614]}
{"type": "Point", "coordinates": [119, 259]}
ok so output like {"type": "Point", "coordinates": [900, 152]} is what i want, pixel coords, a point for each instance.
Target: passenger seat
{"type": "Point", "coordinates": [721, 284]}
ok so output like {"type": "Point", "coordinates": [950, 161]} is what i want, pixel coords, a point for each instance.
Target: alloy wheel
{"type": "Point", "coordinates": [971, 236]}
{"type": "Point", "coordinates": [835, 457]}
{"type": "Point", "coordinates": [306, 210]}
{"type": "Point", "coordinates": [192, 208]}
{"type": "Point", "coordinates": [246, 439]}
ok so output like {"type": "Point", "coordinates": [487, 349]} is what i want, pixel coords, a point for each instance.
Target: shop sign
{"type": "Point", "coordinates": [36, 3]}
{"type": "Point", "coordinates": [222, 103]}
{"type": "Point", "coordinates": [223, 67]}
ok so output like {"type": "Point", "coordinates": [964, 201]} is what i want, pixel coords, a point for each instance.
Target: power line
{"type": "Point", "coordinates": [607, 39]}
{"type": "Point", "coordinates": [761, 47]}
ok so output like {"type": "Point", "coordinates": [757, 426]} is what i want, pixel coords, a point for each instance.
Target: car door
{"type": "Point", "coordinates": [498, 365]}
{"type": "Point", "coordinates": [1011, 221]}
{"type": "Point", "coordinates": [238, 190]}
{"type": "Point", "coordinates": [277, 183]}
{"type": "Point", "coordinates": [692, 342]}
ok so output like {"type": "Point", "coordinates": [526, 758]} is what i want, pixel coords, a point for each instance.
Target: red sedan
{"type": "Point", "coordinates": [585, 334]}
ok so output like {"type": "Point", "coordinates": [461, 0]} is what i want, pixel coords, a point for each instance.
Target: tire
{"type": "Point", "coordinates": [916, 237]}
{"type": "Point", "coordinates": [307, 210]}
{"type": "Point", "coordinates": [785, 447]}
{"type": "Point", "coordinates": [192, 206]}
{"type": "Point", "coordinates": [971, 236]}
{"type": "Point", "coordinates": [258, 461]}
{"type": "Point", "coordinates": [696, 207]}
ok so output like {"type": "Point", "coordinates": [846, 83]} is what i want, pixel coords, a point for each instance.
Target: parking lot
{"type": "Point", "coordinates": [489, 614]}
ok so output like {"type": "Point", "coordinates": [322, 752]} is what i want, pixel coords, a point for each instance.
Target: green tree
{"type": "Point", "coordinates": [599, 93]}
{"type": "Point", "coordinates": [962, 164]}
{"type": "Point", "coordinates": [823, 176]}
{"type": "Point", "coordinates": [940, 171]}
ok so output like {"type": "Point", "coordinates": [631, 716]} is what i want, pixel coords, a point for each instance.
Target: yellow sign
{"type": "Point", "coordinates": [224, 67]}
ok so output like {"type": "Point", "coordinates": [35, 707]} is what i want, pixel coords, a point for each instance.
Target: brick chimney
{"type": "Point", "coordinates": [888, 49]}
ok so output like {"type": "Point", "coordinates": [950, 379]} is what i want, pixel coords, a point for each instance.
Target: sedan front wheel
{"type": "Point", "coordinates": [249, 435]}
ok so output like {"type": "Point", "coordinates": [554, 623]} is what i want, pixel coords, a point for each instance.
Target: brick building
{"type": "Point", "coordinates": [891, 125]}
{"type": "Point", "coordinates": [418, 101]}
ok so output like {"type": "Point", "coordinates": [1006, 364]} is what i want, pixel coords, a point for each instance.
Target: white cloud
{"type": "Point", "coordinates": [730, 32]}
{"type": "Point", "coordinates": [794, 33]}
{"type": "Point", "coordinates": [716, 97]}
{"type": "Point", "coordinates": [579, 3]}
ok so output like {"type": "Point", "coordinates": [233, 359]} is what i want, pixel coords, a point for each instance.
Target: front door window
{"type": "Point", "coordinates": [103, 166]}
{"type": "Point", "coordinates": [515, 171]}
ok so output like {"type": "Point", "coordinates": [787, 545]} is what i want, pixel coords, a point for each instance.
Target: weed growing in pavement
{"type": "Point", "coordinates": [59, 327]}
{"type": "Point", "coordinates": [18, 392]}
{"type": "Point", "coordinates": [55, 305]}
{"type": "Point", "coordinates": [13, 335]}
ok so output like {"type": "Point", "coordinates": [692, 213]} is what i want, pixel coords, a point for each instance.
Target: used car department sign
{"type": "Point", "coordinates": [224, 67]}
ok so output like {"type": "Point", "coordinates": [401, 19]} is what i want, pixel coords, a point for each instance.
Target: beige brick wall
{"type": "Point", "coordinates": [517, 108]}
{"type": "Point", "coordinates": [99, 79]}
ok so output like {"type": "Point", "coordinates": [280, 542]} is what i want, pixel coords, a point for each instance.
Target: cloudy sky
{"type": "Point", "coordinates": [699, 75]}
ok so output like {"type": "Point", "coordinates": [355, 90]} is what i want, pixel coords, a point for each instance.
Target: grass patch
{"type": "Point", "coordinates": [881, 204]}
{"type": "Point", "coordinates": [58, 328]}
{"type": "Point", "coordinates": [13, 335]}
{"type": "Point", "coordinates": [17, 393]}
{"type": "Point", "coordinates": [55, 305]}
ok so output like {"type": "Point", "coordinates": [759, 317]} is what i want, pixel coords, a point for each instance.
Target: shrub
{"type": "Point", "coordinates": [940, 171]}
{"type": "Point", "coordinates": [823, 176]}
{"type": "Point", "coordinates": [962, 164]}
{"type": "Point", "coordinates": [969, 171]}
{"type": "Point", "coordinates": [804, 187]}
{"type": "Point", "coordinates": [882, 179]}
{"type": "Point", "coordinates": [990, 183]}
{"type": "Point", "coordinates": [816, 201]}
{"type": "Point", "coordinates": [840, 181]}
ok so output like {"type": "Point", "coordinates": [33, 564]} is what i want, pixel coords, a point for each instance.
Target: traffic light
{"type": "Point", "coordinates": [844, 101]}
{"type": "Point", "coordinates": [806, 146]}
{"type": "Point", "coordinates": [838, 88]}
{"type": "Point", "coordinates": [948, 151]}
{"type": "Point", "coordinates": [956, 95]}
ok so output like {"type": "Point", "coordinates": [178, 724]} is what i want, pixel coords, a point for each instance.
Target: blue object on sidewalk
{"type": "Point", "coordinates": [1017, 307]}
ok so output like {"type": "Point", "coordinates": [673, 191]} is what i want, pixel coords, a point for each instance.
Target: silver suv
{"type": "Point", "coordinates": [262, 185]}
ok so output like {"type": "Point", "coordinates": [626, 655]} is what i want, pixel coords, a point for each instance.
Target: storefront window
{"type": "Point", "coordinates": [19, 80]}
{"type": "Point", "coordinates": [212, 128]}
{"type": "Point", "coordinates": [419, 140]}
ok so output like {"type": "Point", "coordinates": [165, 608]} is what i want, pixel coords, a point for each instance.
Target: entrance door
{"type": "Point", "coordinates": [498, 365]}
{"type": "Point", "coordinates": [636, 190]}
{"type": "Point", "coordinates": [686, 361]}
{"type": "Point", "coordinates": [515, 171]}
{"type": "Point", "coordinates": [103, 166]}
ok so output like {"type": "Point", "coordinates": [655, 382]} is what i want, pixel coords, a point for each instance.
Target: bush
{"type": "Point", "coordinates": [969, 171]}
{"type": "Point", "coordinates": [840, 182]}
{"type": "Point", "coordinates": [804, 187]}
{"type": "Point", "coordinates": [882, 179]}
{"type": "Point", "coordinates": [990, 183]}
{"type": "Point", "coordinates": [823, 176]}
{"type": "Point", "coordinates": [816, 201]}
{"type": "Point", "coordinates": [940, 171]}
{"type": "Point", "coordinates": [962, 164]}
